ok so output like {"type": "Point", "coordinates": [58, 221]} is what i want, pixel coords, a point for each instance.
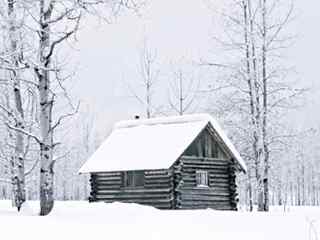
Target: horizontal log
{"type": "Point", "coordinates": [106, 174]}
{"type": "Point", "coordinates": [157, 172]}
{"type": "Point", "coordinates": [138, 190]}
{"type": "Point", "coordinates": [105, 187]}
{"type": "Point", "coordinates": [121, 196]}
{"type": "Point", "coordinates": [196, 158]}
{"type": "Point", "coordinates": [203, 167]}
{"type": "Point", "coordinates": [219, 185]}
{"type": "Point", "coordinates": [107, 178]}
{"type": "Point", "coordinates": [158, 176]}
{"type": "Point", "coordinates": [201, 192]}
{"type": "Point", "coordinates": [218, 180]}
{"type": "Point", "coordinates": [212, 171]}
{"type": "Point", "coordinates": [214, 188]}
{"type": "Point", "coordinates": [107, 183]}
{"type": "Point", "coordinates": [211, 166]}
{"type": "Point", "coordinates": [221, 190]}
{"type": "Point", "coordinates": [212, 184]}
{"type": "Point", "coordinates": [186, 185]}
{"type": "Point", "coordinates": [218, 176]}
{"type": "Point", "coordinates": [196, 198]}
{"type": "Point", "coordinates": [113, 178]}
{"type": "Point", "coordinates": [209, 162]}
{"type": "Point", "coordinates": [160, 180]}
{"type": "Point", "coordinates": [164, 195]}
{"type": "Point", "coordinates": [158, 186]}
{"type": "Point", "coordinates": [146, 201]}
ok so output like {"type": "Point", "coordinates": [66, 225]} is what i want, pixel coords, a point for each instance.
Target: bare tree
{"type": "Point", "coordinates": [149, 72]}
{"type": "Point", "coordinates": [13, 19]}
{"type": "Point", "coordinates": [259, 92]}
{"type": "Point", "coordinates": [54, 16]}
{"type": "Point", "coordinates": [183, 89]}
{"type": "Point", "coordinates": [49, 23]}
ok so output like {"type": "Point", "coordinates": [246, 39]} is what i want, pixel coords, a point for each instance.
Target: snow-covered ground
{"type": "Point", "coordinates": [81, 220]}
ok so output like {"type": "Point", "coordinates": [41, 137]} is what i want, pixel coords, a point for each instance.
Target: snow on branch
{"type": "Point", "coordinates": [37, 139]}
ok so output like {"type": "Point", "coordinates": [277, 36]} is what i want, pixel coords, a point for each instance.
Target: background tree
{"type": "Point", "coordinates": [49, 23]}
{"type": "Point", "coordinates": [183, 89]}
{"type": "Point", "coordinates": [260, 91]}
{"type": "Point", "coordinates": [149, 72]}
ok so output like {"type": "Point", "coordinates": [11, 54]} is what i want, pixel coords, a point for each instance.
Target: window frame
{"type": "Point", "coordinates": [202, 178]}
{"type": "Point", "coordinates": [130, 179]}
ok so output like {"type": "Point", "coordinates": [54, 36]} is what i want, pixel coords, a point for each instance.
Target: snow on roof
{"type": "Point", "coordinates": [152, 143]}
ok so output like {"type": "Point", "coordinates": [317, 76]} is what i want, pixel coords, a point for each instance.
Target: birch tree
{"type": "Point", "coordinates": [259, 91]}
{"type": "Point", "coordinates": [14, 36]}
{"type": "Point", "coordinates": [13, 20]}
{"type": "Point", "coordinates": [57, 21]}
{"type": "Point", "coordinates": [49, 24]}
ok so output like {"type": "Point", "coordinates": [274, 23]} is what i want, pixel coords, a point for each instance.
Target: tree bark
{"type": "Point", "coordinates": [256, 108]}
{"type": "Point", "coordinates": [251, 95]}
{"type": "Point", "coordinates": [18, 178]}
{"type": "Point", "coordinates": [265, 110]}
{"type": "Point", "coordinates": [46, 105]}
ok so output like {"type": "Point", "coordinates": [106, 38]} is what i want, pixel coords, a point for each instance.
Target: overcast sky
{"type": "Point", "coordinates": [107, 55]}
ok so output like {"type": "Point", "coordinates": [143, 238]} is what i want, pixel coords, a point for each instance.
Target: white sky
{"type": "Point", "coordinates": [108, 54]}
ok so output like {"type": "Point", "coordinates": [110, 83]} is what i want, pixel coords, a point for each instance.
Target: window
{"type": "Point", "coordinates": [133, 179]}
{"type": "Point", "coordinates": [202, 178]}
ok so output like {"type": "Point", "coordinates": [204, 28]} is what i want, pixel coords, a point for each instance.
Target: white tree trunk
{"type": "Point", "coordinates": [46, 104]}
{"type": "Point", "coordinates": [18, 178]}
{"type": "Point", "coordinates": [265, 110]}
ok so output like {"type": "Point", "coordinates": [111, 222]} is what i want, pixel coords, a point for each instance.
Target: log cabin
{"type": "Point", "coordinates": [184, 162]}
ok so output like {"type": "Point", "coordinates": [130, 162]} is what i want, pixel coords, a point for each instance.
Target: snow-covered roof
{"type": "Point", "coordinates": [152, 143]}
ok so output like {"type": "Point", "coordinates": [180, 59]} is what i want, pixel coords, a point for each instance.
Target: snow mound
{"type": "Point", "coordinates": [83, 221]}
{"type": "Point", "coordinates": [27, 210]}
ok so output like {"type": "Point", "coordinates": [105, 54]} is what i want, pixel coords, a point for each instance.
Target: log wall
{"type": "Point", "coordinates": [221, 191]}
{"type": "Point", "coordinates": [157, 190]}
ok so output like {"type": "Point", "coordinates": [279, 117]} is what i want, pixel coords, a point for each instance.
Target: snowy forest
{"type": "Point", "coordinates": [243, 76]}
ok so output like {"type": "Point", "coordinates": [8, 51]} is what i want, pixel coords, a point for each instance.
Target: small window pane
{"type": "Point", "coordinates": [202, 178]}
{"type": "Point", "coordinates": [130, 180]}
{"type": "Point", "coordinates": [133, 179]}
{"type": "Point", "coordinates": [139, 179]}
